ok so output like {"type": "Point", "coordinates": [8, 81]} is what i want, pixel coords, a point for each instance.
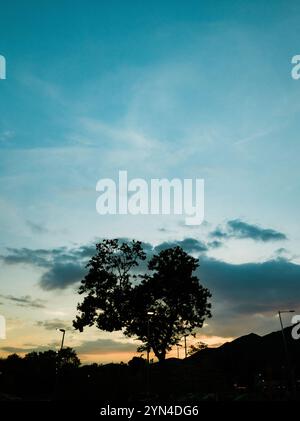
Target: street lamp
{"type": "Point", "coordinates": [280, 312]}
{"type": "Point", "coordinates": [57, 362]}
{"type": "Point", "coordinates": [149, 314]}
{"type": "Point", "coordinates": [63, 337]}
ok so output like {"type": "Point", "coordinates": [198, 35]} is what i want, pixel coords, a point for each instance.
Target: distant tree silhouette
{"type": "Point", "coordinates": [68, 359]}
{"type": "Point", "coordinates": [194, 348]}
{"type": "Point", "coordinates": [168, 289]}
{"type": "Point", "coordinates": [248, 368]}
{"type": "Point", "coordinates": [39, 362]}
{"type": "Point", "coordinates": [136, 364]}
{"type": "Point", "coordinates": [13, 360]}
{"type": "Point", "coordinates": [65, 358]}
{"type": "Point", "coordinates": [14, 363]}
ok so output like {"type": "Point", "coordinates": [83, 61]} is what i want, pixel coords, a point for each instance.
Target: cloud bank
{"type": "Point", "coordinates": [239, 229]}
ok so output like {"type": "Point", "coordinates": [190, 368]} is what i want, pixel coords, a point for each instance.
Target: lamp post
{"type": "Point", "coordinates": [280, 312]}
{"type": "Point", "coordinates": [63, 337]}
{"type": "Point", "coordinates": [149, 314]}
{"type": "Point", "coordinates": [57, 365]}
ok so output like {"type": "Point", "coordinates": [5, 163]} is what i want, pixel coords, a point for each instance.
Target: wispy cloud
{"type": "Point", "coordinates": [254, 136]}
{"type": "Point", "coordinates": [54, 324]}
{"type": "Point", "coordinates": [37, 228]}
{"type": "Point", "coordinates": [25, 301]}
{"type": "Point", "coordinates": [118, 134]}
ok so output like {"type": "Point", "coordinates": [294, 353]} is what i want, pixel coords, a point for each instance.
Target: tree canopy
{"type": "Point", "coordinates": [156, 303]}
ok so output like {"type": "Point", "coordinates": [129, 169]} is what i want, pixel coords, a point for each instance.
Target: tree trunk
{"type": "Point", "coordinates": [161, 355]}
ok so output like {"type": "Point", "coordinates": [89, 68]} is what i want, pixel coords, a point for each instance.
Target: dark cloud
{"type": "Point", "coordinates": [190, 245]}
{"type": "Point", "coordinates": [54, 324]}
{"type": "Point", "coordinates": [219, 233]}
{"type": "Point", "coordinates": [45, 258]}
{"type": "Point", "coordinates": [282, 253]}
{"type": "Point", "coordinates": [246, 297]}
{"type": "Point", "coordinates": [97, 347]}
{"type": "Point", "coordinates": [85, 251]}
{"type": "Point", "coordinates": [39, 257]}
{"type": "Point", "coordinates": [252, 287]}
{"type": "Point", "coordinates": [105, 346]}
{"type": "Point", "coordinates": [240, 230]}
{"type": "Point", "coordinates": [25, 350]}
{"type": "Point", "coordinates": [241, 286]}
{"type": "Point", "coordinates": [243, 230]}
{"type": "Point", "coordinates": [25, 301]}
{"type": "Point", "coordinates": [64, 266]}
{"type": "Point", "coordinates": [62, 275]}
{"type": "Point", "coordinates": [214, 244]}
{"type": "Point", "coordinates": [242, 293]}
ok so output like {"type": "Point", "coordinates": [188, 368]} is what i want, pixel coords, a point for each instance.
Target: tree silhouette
{"type": "Point", "coordinates": [194, 348]}
{"type": "Point", "coordinates": [109, 285]}
{"type": "Point", "coordinates": [115, 299]}
{"type": "Point", "coordinates": [67, 358]}
{"type": "Point", "coordinates": [175, 297]}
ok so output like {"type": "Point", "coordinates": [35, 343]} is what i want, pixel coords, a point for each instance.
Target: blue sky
{"type": "Point", "coordinates": [161, 89]}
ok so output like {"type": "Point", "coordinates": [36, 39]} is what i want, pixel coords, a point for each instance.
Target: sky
{"type": "Point", "coordinates": [161, 89]}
